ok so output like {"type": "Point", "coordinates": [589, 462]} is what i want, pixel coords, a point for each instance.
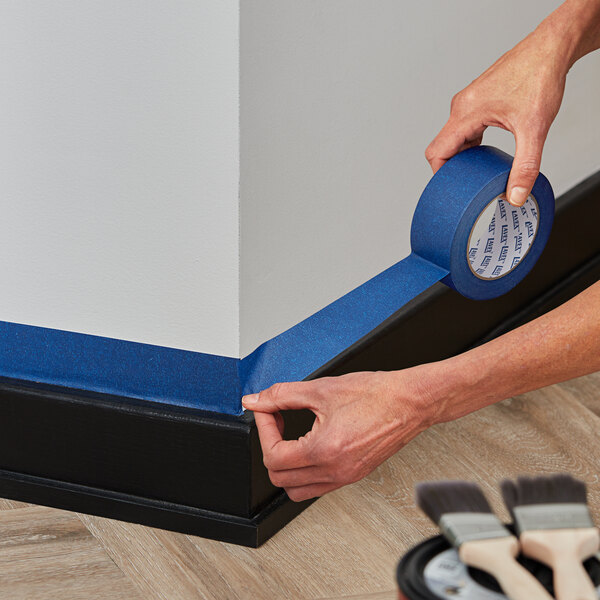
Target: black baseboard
{"type": "Point", "coordinates": [202, 473]}
{"type": "Point", "coordinates": [144, 462]}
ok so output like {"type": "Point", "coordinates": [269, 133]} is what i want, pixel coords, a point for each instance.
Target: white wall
{"type": "Point", "coordinates": [119, 169]}
{"type": "Point", "coordinates": [339, 99]}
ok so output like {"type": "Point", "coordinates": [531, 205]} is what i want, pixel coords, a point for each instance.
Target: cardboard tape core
{"type": "Point", "coordinates": [501, 237]}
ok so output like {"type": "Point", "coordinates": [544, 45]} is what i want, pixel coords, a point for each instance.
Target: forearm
{"type": "Point", "coordinates": [557, 346]}
{"type": "Point", "coordinates": [572, 30]}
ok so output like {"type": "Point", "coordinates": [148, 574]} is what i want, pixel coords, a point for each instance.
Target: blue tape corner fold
{"type": "Point", "coordinates": [443, 249]}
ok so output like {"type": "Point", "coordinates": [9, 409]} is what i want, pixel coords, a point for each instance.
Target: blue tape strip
{"type": "Point", "coordinates": [301, 350]}
{"type": "Point", "coordinates": [89, 362]}
{"type": "Point", "coordinates": [443, 220]}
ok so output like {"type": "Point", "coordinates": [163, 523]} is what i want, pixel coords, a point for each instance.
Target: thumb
{"type": "Point", "coordinates": [281, 396]}
{"type": "Point", "coordinates": [525, 167]}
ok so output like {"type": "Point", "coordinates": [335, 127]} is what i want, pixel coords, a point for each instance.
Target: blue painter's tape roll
{"type": "Point", "coordinates": [489, 260]}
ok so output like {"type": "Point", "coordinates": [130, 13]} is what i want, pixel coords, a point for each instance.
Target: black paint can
{"type": "Point", "coordinates": [433, 571]}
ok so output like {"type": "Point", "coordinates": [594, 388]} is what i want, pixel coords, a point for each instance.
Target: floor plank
{"type": "Point", "coordinates": [49, 554]}
{"type": "Point", "coordinates": [538, 433]}
{"type": "Point", "coordinates": [162, 564]}
{"type": "Point", "coordinates": [390, 595]}
{"type": "Point", "coordinates": [586, 390]}
{"type": "Point", "coordinates": [11, 504]}
{"type": "Point", "coordinates": [347, 544]}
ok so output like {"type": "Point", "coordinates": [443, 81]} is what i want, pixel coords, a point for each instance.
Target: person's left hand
{"type": "Point", "coordinates": [361, 420]}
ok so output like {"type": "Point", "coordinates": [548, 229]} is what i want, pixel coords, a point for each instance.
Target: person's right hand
{"type": "Point", "coordinates": [521, 92]}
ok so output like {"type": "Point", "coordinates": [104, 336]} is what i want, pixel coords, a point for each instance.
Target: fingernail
{"type": "Point", "coordinates": [250, 400]}
{"type": "Point", "coordinates": [518, 195]}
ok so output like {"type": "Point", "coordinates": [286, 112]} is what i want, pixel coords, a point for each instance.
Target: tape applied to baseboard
{"type": "Point", "coordinates": [463, 233]}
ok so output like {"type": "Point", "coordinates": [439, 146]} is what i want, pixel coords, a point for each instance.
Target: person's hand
{"type": "Point", "coordinates": [361, 420]}
{"type": "Point", "coordinates": [521, 92]}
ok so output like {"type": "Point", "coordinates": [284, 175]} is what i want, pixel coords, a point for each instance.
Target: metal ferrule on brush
{"type": "Point", "coordinates": [466, 527]}
{"type": "Point", "coordinates": [552, 516]}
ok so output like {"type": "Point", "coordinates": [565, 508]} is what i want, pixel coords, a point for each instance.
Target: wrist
{"type": "Point", "coordinates": [408, 398]}
{"type": "Point", "coordinates": [570, 32]}
{"type": "Point", "coordinates": [452, 388]}
{"type": "Point", "coordinates": [430, 391]}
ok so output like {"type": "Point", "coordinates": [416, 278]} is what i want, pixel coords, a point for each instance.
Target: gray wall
{"type": "Point", "coordinates": [119, 169]}
{"type": "Point", "coordinates": [339, 99]}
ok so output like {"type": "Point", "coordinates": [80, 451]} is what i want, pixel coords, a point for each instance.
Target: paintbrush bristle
{"type": "Point", "coordinates": [437, 498]}
{"type": "Point", "coordinates": [546, 489]}
{"type": "Point", "coordinates": [547, 502]}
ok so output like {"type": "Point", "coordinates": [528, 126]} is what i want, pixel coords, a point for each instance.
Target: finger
{"type": "Point", "coordinates": [454, 137]}
{"type": "Point", "coordinates": [297, 494]}
{"type": "Point", "coordinates": [525, 167]}
{"type": "Point", "coordinates": [279, 454]}
{"type": "Point", "coordinates": [299, 477]}
{"type": "Point", "coordinates": [281, 396]}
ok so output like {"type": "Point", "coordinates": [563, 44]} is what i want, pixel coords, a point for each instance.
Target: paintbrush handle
{"type": "Point", "coordinates": [571, 582]}
{"type": "Point", "coordinates": [497, 557]}
{"type": "Point", "coordinates": [564, 550]}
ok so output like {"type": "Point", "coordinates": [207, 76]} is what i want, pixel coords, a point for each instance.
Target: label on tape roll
{"type": "Point", "coordinates": [502, 237]}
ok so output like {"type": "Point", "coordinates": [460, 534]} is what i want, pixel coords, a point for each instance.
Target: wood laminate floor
{"type": "Point", "coordinates": [346, 545]}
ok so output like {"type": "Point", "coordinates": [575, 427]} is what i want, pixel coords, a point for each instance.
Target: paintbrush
{"type": "Point", "coordinates": [555, 528]}
{"type": "Point", "coordinates": [465, 517]}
